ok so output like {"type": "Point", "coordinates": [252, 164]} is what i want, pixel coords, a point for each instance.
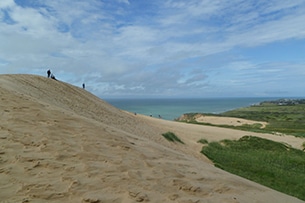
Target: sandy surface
{"type": "Point", "coordinates": [228, 121]}
{"type": "Point", "coordinates": [59, 143]}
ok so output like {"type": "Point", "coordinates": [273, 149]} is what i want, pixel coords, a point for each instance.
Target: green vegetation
{"type": "Point", "coordinates": [287, 118]}
{"type": "Point", "coordinates": [270, 163]}
{"type": "Point", "coordinates": [283, 116]}
{"type": "Point", "coordinates": [246, 127]}
{"type": "Point", "coordinates": [170, 136]}
{"type": "Point", "coordinates": [203, 141]}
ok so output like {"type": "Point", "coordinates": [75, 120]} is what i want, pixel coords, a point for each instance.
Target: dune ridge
{"type": "Point", "coordinates": [60, 143]}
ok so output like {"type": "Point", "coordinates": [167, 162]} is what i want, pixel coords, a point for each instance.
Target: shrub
{"type": "Point", "coordinates": [170, 136]}
{"type": "Point", "coordinates": [203, 141]}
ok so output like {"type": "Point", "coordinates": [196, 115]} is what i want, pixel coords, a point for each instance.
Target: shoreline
{"type": "Point", "coordinates": [171, 108]}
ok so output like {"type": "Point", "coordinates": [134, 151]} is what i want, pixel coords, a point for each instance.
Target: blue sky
{"type": "Point", "coordinates": [159, 48]}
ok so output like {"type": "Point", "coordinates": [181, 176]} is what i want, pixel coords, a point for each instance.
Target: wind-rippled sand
{"type": "Point", "coordinates": [60, 143]}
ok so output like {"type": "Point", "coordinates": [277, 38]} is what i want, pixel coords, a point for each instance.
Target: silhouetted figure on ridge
{"type": "Point", "coordinates": [84, 86]}
{"type": "Point", "coordinates": [49, 73]}
{"type": "Point", "coordinates": [53, 77]}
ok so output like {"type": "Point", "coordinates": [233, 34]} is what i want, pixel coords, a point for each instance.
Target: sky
{"type": "Point", "coordinates": [159, 48]}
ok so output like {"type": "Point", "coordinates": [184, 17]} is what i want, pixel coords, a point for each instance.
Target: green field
{"type": "Point", "coordinates": [286, 118]}
{"type": "Point", "coordinates": [283, 118]}
{"type": "Point", "coordinates": [269, 163]}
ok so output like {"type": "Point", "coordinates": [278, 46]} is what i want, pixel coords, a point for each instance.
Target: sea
{"type": "Point", "coordinates": [172, 108]}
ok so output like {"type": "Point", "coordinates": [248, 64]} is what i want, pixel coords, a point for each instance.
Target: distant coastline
{"type": "Point", "coordinates": [172, 108]}
{"type": "Point", "coordinates": [284, 102]}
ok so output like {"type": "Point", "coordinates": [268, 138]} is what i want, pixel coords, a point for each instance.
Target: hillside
{"type": "Point", "coordinates": [60, 143]}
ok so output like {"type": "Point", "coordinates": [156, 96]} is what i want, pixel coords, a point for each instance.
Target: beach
{"type": "Point", "coordinates": [60, 143]}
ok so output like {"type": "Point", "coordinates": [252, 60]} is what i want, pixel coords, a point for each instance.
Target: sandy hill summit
{"type": "Point", "coordinates": [60, 143]}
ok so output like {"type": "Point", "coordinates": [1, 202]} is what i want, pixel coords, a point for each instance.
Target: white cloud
{"type": "Point", "coordinates": [273, 31]}
{"type": "Point", "coordinates": [4, 4]}
{"type": "Point", "coordinates": [124, 1]}
{"type": "Point", "coordinates": [171, 46]}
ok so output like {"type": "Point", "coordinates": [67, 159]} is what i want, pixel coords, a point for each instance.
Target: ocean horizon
{"type": "Point", "coordinates": [172, 108]}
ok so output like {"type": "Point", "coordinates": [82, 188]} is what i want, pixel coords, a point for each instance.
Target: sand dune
{"type": "Point", "coordinates": [60, 143]}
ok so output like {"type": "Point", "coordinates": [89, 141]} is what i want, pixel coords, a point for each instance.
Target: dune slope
{"type": "Point", "coordinates": [60, 143]}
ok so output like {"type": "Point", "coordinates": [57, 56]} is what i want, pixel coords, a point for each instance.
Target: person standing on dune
{"type": "Point", "coordinates": [49, 73]}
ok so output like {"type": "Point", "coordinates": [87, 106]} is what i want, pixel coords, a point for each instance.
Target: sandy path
{"type": "Point", "coordinates": [228, 121]}
{"type": "Point", "coordinates": [192, 133]}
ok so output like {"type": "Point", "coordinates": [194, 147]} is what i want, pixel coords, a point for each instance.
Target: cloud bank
{"type": "Point", "coordinates": [172, 48]}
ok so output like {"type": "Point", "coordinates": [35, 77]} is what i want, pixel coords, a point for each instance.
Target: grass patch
{"type": "Point", "coordinates": [246, 127]}
{"type": "Point", "coordinates": [170, 136]}
{"type": "Point", "coordinates": [269, 163]}
{"type": "Point", "coordinates": [203, 141]}
{"type": "Point", "coordinates": [286, 119]}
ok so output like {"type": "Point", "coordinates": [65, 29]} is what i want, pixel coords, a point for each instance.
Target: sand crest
{"type": "Point", "coordinates": [60, 143]}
